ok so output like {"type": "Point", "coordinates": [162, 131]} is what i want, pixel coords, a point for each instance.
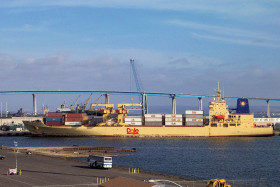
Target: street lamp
{"type": "Point", "coordinates": [159, 180]}
{"type": "Point", "coordinates": [16, 144]}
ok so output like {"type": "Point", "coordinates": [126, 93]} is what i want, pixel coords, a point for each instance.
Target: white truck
{"type": "Point", "coordinates": [95, 161]}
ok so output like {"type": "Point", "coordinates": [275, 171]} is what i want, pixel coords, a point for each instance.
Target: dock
{"type": "Point", "coordinates": [40, 170]}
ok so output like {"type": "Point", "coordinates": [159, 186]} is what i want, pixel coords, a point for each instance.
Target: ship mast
{"type": "Point", "coordinates": [218, 91]}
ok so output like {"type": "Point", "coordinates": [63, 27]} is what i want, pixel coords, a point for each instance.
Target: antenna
{"type": "Point", "coordinates": [218, 91]}
{"type": "Point", "coordinates": [223, 90]}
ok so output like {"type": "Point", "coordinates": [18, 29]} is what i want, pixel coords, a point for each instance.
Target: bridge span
{"type": "Point", "coordinates": [144, 95]}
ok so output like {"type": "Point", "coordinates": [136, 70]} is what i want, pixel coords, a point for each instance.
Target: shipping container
{"type": "Point", "coordinates": [73, 119]}
{"type": "Point", "coordinates": [73, 123]}
{"type": "Point", "coordinates": [153, 123]}
{"type": "Point", "coordinates": [53, 118]}
{"type": "Point", "coordinates": [194, 123]}
{"type": "Point", "coordinates": [54, 123]}
{"type": "Point", "coordinates": [257, 119]}
{"type": "Point", "coordinates": [135, 123]}
{"type": "Point", "coordinates": [173, 123]}
{"type": "Point", "coordinates": [75, 115]}
{"type": "Point", "coordinates": [18, 129]}
{"type": "Point", "coordinates": [193, 119]}
{"type": "Point", "coordinates": [153, 119]}
{"type": "Point", "coordinates": [133, 119]}
{"type": "Point", "coordinates": [56, 114]}
{"type": "Point", "coordinates": [173, 115]}
{"type": "Point", "coordinates": [196, 116]}
{"type": "Point", "coordinates": [153, 115]}
{"type": "Point", "coordinates": [194, 112]}
{"type": "Point", "coordinates": [173, 119]}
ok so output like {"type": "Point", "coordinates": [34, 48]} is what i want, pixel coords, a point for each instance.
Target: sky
{"type": "Point", "coordinates": [178, 47]}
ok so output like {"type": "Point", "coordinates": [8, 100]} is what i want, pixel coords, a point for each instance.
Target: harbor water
{"type": "Point", "coordinates": [244, 161]}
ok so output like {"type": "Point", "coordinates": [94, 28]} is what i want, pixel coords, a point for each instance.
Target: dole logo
{"type": "Point", "coordinates": [132, 131]}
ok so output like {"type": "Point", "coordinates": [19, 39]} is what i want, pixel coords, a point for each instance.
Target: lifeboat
{"type": "Point", "coordinates": [220, 117]}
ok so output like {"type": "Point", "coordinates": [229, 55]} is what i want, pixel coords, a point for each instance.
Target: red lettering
{"type": "Point", "coordinates": [132, 131]}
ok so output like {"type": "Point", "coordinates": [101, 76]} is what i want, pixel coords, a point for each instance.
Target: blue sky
{"type": "Point", "coordinates": [178, 46]}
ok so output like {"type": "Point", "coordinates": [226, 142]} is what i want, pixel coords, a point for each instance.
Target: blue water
{"type": "Point", "coordinates": [250, 161]}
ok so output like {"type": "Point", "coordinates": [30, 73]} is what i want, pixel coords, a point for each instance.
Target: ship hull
{"type": "Point", "coordinates": [38, 128]}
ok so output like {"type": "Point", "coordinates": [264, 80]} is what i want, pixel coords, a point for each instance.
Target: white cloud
{"type": "Point", "coordinates": [224, 30]}
{"type": "Point", "coordinates": [252, 42]}
{"type": "Point", "coordinates": [24, 28]}
{"type": "Point", "coordinates": [231, 35]}
{"type": "Point", "coordinates": [230, 7]}
{"type": "Point", "coordinates": [57, 71]}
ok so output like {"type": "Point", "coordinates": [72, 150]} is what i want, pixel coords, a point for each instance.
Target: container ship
{"type": "Point", "coordinates": [221, 122]}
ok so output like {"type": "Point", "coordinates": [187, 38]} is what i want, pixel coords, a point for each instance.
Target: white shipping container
{"type": "Point", "coordinates": [173, 123]}
{"type": "Point", "coordinates": [173, 119]}
{"type": "Point", "coordinates": [134, 123]}
{"type": "Point", "coordinates": [153, 119]}
{"type": "Point", "coordinates": [18, 129]}
{"type": "Point", "coordinates": [192, 119]}
{"type": "Point", "coordinates": [193, 123]}
{"type": "Point", "coordinates": [173, 115]}
{"type": "Point", "coordinates": [153, 115]}
{"type": "Point", "coordinates": [197, 116]}
{"type": "Point", "coordinates": [132, 119]}
{"type": "Point", "coordinates": [194, 112]}
{"type": "Point", "coordinates": [153, 123]}
{"type": "Point", "coordinates": [274, 119]}
{"type": "Point", "coordinates": [73, 123]}
{"type": "Point", "coordinates": [257, 119]}
{"type": "Point", "coordinates": [133, 116]}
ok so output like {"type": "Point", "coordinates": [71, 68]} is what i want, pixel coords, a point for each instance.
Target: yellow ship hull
{"type": "Point", "coordinates": [38, 128]}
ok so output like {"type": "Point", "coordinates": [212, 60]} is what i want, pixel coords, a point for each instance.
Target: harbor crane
{"type": "Point", "coordinates": [72, 106]}
{"type": "Point", "coordinates": [122, 111]}
{"type": "Point", "coordinates": [136, 78]}
{"type": "Point", "coordinates": [86, 103]}
{"type": "Point", "coordinates": [45, 109]}
{"type": "Point", "coordinates": [139, 87]}
{"type": "Point", "coordinates": [108, 112]}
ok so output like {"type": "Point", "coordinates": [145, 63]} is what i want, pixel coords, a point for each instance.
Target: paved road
{"type": "Point", "coordinates": [40, 170]}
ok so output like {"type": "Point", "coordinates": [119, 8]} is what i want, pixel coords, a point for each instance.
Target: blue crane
{"type": "Point", "coordinates": [136, 79]}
